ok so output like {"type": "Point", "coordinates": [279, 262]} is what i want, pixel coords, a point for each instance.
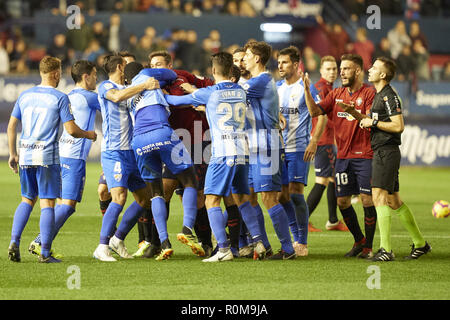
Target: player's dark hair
{"type": "Point", "coordinates": [355, 58]}
{"type": "Point", "coordinates": [81, 67]}
{"type": "Point", "coordinates": [125, 54]}
{"type": "Point", "coordinates": [162, 53]}
{"type": "Point", "coordinates": [111, 62]}
{"type": "Point", "coordinates": [390, 68]}
{"type": "Point", "coordinates": [261, 49]}
{"type": "Point", "coordinates": [222, 61]}
{"type": "Point", "coordinates": [131, 70]}
{"type": "Point", "coordinates": [235, 73]}
{"type": "Point", "coordinates": [292, 52]}
{"type": "Point", "coordinates": [238, 50]}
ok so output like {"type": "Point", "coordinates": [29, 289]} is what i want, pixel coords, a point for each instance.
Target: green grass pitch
{"type": "Point", "coordinates": [324, 274]}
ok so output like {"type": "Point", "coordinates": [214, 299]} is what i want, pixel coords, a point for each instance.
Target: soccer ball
{"type": "Point", "coordinates": [441, 209]}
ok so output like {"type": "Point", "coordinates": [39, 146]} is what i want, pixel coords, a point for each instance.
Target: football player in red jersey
{"type": "Point", "coordinates": [325, 155]}
{"type": "Point", "coordinates": [354, 156]}
{"type": "Point", "coordinates": [191, 126]}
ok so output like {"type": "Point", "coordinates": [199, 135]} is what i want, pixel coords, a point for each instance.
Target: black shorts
{"type": "Point", "coordinates": [353, 177]}
{"type": "Point", "coordinates": [385, 166]}
{"type": "Point", "coordinates": [324, 160]}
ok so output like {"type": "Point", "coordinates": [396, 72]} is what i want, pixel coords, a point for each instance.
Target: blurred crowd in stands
{"type": "Point", "coordinates": [408, 45]}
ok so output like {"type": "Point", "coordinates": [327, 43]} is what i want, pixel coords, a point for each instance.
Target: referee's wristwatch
{"type": "Point", "coordinates": [375, 123]}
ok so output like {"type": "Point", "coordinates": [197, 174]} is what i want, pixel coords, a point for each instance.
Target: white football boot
{"type": "Point", "coordinates": [103, 253]}
{"type": "Point", "coordinates": [118, 246]}
{"type": "Point", "coordinates": [223, 254]}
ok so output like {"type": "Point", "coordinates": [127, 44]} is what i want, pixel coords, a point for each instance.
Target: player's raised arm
{"type": "Point", "coordinates": [199, 97]}
{"type": "Point", "coordinates": [116, 95]}
{"type": "Point", "coordinates": [12, 142]}
{"type": "Point", "coordinates": [313, 107]}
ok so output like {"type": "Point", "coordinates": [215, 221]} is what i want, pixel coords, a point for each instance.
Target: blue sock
{"type": "Point", "coordinates": [243, 236]}
{"type": "Point", "coordinates": [62, 213]}
{"type": "Point", "coordinates": [20, 220]}
{"type": "Point", "coordinates": [281, 226]}
{"type": "Point", "coordinates": [302, 214]}
{"type": "Point", "coordinates": [189, 207]}
{"type": "Point", "coordinates": [109, 222]}
{"type": "Point", "coordinates": [217, 222]}
{"type": "Point", "coordinates": [262, 225]}
{"type": "Point", "coordinates": [290, 211]}
{"type": "Point", "coordinates": [225, 217]}
{"type": "Point", "coordinates": [47, 228]}
{"type": "Point", "coordinates": [159, 211]}
{"type": "Point", "coordinates": [250, 219]}
{"type": "Point", "coordinates": [129, 220]}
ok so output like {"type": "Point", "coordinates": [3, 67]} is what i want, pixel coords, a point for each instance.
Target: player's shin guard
{"type": "Point", "coordinates": [129, 219]}
{"type": "Point", "coordinates": [234, 225]}
{"type": "Point", "coordinates": [62, 213]}
{"type": "Point", "coordinates": [109, 222]}
{"type": "Point", "coordinates": [217, 222]}
{"type": "Point", "coordinates": [159, 211]}
{"type": "Point", "coordinates": [281, 226]}
{"type": "Point", "coordinates": [47, 226]}
{"type": "Point", "coordinates": [292, 220]}
{"type": "Point", "coordinates": [189, 207]}
{"type": "Point", "coordinates": [370, 225]}
{"type": "Point", "coordinates": [20, 220]}
{"type": "Point", "coordinates": [314, 197]}
{"type": "Point", "coordinates": [104, 205]}
{"type": "Point", "coordinates": [351, 220]}
{"type": "Point", "coordinates": [302, 215]}
{"type": "Point", "coordinates": [251, 220]}
{"type": "Point", "coordinates": [332, 203]}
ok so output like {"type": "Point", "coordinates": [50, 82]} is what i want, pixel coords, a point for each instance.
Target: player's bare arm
{"type": "Point", "coordinates": [75, 131]}
{"type": "Point", "coordinates": [313, 108]}
{"type": "Point", "coordinates": [12, 142]}
{"type": "Point", "coordinates": [396, 125]}
{"type": "Point", "coordinates": [311, 149]}
{"type": "Point", "coordinates": [283, 121]}
{"type": "Point", "coordinates": [116, 95]}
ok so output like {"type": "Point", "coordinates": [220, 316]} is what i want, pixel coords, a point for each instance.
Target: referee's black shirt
{"type": "Point", "coordinates": [386, 103]}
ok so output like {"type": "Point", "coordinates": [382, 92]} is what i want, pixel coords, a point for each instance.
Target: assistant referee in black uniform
{"type": "Point", "coordinates": [386, 125]}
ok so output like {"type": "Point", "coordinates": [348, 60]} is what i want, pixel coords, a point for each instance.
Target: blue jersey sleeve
{"type": "Point", "coordinates": [104, 87]}
{"type": "Point", "coordinates": [92, 99]}
{"type": "Point", "coordinates": [199, 97]}
{"type": "Point", "coordinates": [65, 112]}
{"type": "Point", "coordinates": [255, 87]}
{"type": "Point", "coordinates": [16, 110]}
{"type": "Point", "coordinates": [164, 76]}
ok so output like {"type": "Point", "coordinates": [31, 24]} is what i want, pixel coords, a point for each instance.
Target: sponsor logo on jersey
{"type": "Point", "coordinates": [345, 115]}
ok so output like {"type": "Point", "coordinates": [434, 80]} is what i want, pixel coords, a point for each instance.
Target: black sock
{"type": "Point", "coordinates": [314, 197]}
{"type": "Point", "coordinates": [332, 203]}
{"type": "Point", "coordinates": [370, 225]}
{"type": "Point", "coordinates": [140, 225]}
{"type": "Point", "coordinates": [234, 226]}
{"type": "Point", "coordinates": [202, 227]}
{"type": "Point", "coordinates": [104, 205]}
{"type": "Point", "coordinates": [351, 220]}
{"type": "Point", "coordinates": [168, 209]}
{"type": "Point", "coordinates": [147, 224]}
{"type": "Point", "coordinates": [154, 236]}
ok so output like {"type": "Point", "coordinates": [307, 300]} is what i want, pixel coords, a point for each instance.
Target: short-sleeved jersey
{"type": "Point", "coordinates": [117, 125]}
{"type": "Point", "coordinates": [386, 104]}
{"type": "Point", "coordinates": [352, 141]}
{"type": "Point", "coordinates": [147, 119]}
{"type": "Point", "coordinates": [188, 118]}
{"type": "Point", "coordinates": [225, 109]}
{"type": "Point", "coordinates": [263, 118]}
{"type": "Point", "coordinates": [41, 110]}
{"type": "Point", "coordinates": [84, 105]}
{"type": "Point", "coordinates": [296, 134]}
{"type": "Point", "coordinates": [327, 138]}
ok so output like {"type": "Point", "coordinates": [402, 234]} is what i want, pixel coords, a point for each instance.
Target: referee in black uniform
{"type": "Point", "coordinates": [386, 125]}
